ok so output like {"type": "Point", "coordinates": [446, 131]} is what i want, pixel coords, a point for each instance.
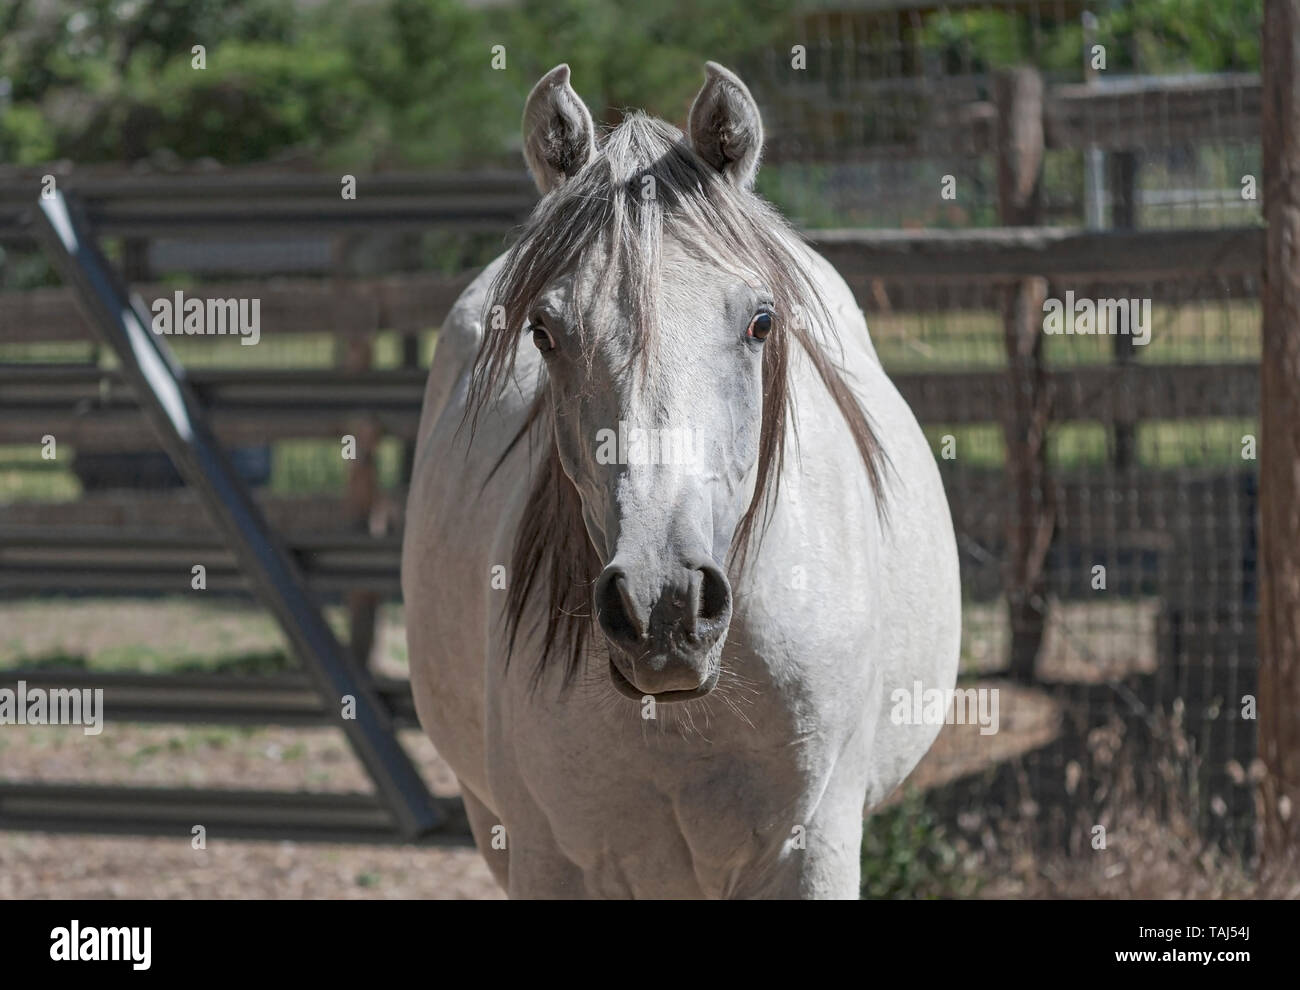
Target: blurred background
{"type": "Point", "coordinates": [906, 138]}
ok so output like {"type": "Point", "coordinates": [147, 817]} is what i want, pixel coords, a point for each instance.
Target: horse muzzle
{"type": "Point", "coordinates": [669, 645]}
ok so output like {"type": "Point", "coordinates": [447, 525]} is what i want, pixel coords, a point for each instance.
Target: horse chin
{"type": "Point", "coordinates": [629, 690]}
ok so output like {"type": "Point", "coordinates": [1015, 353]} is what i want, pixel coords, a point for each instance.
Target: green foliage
{"type": "Point", "coordinates": [907, 853]}
{"type": "Point", "coordinates": [24, 137]}
{"type": "Point", "coordinates": [385, 84]}
{"type": "Point", "coordinates": [648, 55]}
{"type": "Point", "coordinates": [1194, 35]}
{"type": "Point", "coordinates": [977, 40]}
{"type": "Point", "coordinates": [1142, 36]}
{"type": "Point", "coordinates": [431, 96]}
{"type": "Point", "coordinates": [395, 83]}
{"type": "Point", "coordinates": [253, 101]}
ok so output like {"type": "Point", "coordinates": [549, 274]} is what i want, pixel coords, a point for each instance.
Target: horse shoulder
{"type": "Point", "coordinates": [850, 322]}
{"type": "Point", "coordinates": [449, 565]}
{"type": "Point", "coordinates": [458, 342]}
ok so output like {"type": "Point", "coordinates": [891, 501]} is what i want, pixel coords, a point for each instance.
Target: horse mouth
{"type": "Point", "coordinates": [629, 690]}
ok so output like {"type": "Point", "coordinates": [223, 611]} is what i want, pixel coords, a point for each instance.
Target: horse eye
{"type": "Point", "coordinates": [760, 326]}
{"type": "Point", "coordinates": [542, 338]}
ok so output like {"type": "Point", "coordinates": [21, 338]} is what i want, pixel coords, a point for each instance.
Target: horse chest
{"type": "Point", "coordinates": [655, 816]}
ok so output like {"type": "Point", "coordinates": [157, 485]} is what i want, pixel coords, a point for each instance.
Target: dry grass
{"type": "Point", "coordinates": [1146, 802]}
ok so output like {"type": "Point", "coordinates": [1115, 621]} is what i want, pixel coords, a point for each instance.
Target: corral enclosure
{"type": "Point", "coordinates": [960, 165]}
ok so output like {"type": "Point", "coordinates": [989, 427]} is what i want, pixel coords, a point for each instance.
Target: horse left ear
{"type": "Point", "coordinates": [725, 127]}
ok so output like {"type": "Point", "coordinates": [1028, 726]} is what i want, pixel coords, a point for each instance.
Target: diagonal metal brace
{"type": "Point", "coordinates": [174, 412]}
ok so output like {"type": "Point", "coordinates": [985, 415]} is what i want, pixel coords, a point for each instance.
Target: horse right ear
{"type": "Point", "coordinates": [559, 137]}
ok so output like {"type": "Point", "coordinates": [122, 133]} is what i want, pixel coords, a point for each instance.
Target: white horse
{"type": "Point", "coordinates": [664, 667]}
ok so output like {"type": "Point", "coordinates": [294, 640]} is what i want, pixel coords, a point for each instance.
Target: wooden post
{"type": "Point", "coordinates": [1030, 522]}
{"type": "Point", "coordinates": [362, 496]}
{"type": "Point", "coordinates": [1123, 216]}
{"type": "Point", "coordinates": [363, 473]}
{"type": "Point", "coordinates": [135, 260]}
{"type": "Point", "coordinates": [1094, 158]}
{"type": "Point", "coordinates": [1279, 447]}
{"type": "Point", "coordinates": [410, 359]}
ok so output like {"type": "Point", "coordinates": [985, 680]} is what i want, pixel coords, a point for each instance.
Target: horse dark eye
{"type": "Point", "coordinates": [542, 338]}
{"type": "Point", "coordinates": [760, 326]}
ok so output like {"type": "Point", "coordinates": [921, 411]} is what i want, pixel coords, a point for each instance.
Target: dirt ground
{"type": "Point", "coordinates": [161, 636]}
{"type": "Point", "coordinates": [37, 866]}
{"type": "Point", "coordinates": [43, 866]}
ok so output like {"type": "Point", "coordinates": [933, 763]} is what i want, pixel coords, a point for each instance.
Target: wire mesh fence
{"type": "Point", "coordinates": [1136, 706]}
{"type": "Point", "coordinates": [1145, 656]}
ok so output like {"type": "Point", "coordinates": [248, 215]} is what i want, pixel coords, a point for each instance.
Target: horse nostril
{"type": "Point", "coordinates": [693, 601]}
{"type": "Point", "coordinates": [700, 610]}
{"type": "Point", "coordinates": [616, 610]}
{"type": "Point", "coordinates": [714, 594]}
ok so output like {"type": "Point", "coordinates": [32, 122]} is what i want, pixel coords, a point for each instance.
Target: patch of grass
{"type": "Point", "coordinates": [269, 662]}
{"type": "Point", "coordinates": [58, 660]}
{"type": "Point", "coordinates": [973, 446]}
{"type": "Point", "coordinates": [48, 352]}
{"type": "Point", "coordinates": [165, 635]}
{"type": "Point", "coordinates": [221, 738]}
{"type": "Point", "coordinates": [1194, 442]}
{"type": "Point", "coordinates": [146, 659]}
{"type": "Point", "coordinates": [299, 350]}
{"type": "Point", "coordinates": [972, 339]}
{"type": "Point", "coordinates": [907, 854]}
{"type": "Point", "coordinates": [300, 467]}
{"type": "Point", "coordinates": [25, 474]}
{"type": "Point", "coordinates": [1168, 444]}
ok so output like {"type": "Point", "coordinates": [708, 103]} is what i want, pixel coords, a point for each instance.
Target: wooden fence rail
{"type": "Point", "coordinates": [133, 543]}
{"type": "Point", "coordinates": [94, 409]}
{"type": "Point", "coordinates": [965, 269]}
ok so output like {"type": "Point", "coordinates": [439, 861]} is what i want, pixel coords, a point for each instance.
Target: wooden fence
{"type": "Point", "coordinates": [890, 272]}
{"type": "Point", "coordinates": [144, 542]}
{"type": "Point", "coordinates": [90, 407]}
